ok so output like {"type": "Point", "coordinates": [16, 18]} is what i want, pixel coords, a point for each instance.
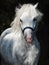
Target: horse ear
{"type": "Point", "coordinates": [35, 6]}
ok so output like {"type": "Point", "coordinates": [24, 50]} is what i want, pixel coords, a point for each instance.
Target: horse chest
{"type": "Point", "coordinates": [24, 53]}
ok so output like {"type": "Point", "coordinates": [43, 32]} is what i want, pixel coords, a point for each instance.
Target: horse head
{"type": "Point", "coordinates": [27, 19]}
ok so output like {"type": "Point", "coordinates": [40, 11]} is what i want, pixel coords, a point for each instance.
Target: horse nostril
{"type": "Point", "coordinates": [29, 36]}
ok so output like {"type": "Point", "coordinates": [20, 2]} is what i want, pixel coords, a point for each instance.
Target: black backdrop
{"type": "Point", "coordinates": [7, 13]}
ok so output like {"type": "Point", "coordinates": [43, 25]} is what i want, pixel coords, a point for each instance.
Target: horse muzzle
{"type": "Point", "coordinates": [28, 36]}
{"type": "Point", "coordinates": [29, 39]}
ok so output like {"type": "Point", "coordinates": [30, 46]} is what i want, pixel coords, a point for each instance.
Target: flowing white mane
{"type": "Point", "coordinates": [33, 11]}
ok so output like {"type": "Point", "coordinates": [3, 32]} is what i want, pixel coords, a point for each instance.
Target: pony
{"type": "Point", "coordinates": [19, 44]}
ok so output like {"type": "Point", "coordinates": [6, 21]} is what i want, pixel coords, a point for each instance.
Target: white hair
{"type": "Point", "coordinates": [26, 7]}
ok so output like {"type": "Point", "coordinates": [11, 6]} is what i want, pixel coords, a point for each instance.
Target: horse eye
{"type": "Point", "coordinates": [20, 20]}
{"type": "Point", "coordinates": [34, 19]}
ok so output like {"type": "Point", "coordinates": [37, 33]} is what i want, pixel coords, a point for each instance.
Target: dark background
{"type": "Point", "coordinates": [7, 8]}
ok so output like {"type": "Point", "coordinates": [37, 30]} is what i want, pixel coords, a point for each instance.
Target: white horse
{"type": "Point", "coordinates": [18, 44]}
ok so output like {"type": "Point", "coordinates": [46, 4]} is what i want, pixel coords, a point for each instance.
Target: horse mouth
{"type": "Point", "coordinates": [29, 40]}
